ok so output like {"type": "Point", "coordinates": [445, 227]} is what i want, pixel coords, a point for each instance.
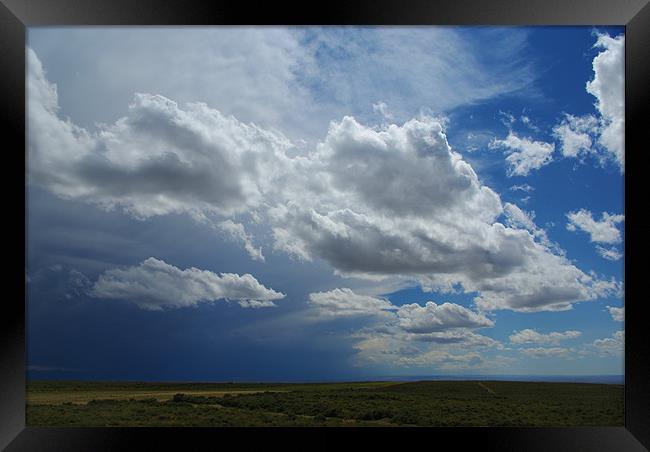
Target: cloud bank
{"type": "Point", "coordinates": [410, 334]}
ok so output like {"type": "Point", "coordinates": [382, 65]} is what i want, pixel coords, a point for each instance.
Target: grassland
{"type": "Point", "coordinates": [425, 403]}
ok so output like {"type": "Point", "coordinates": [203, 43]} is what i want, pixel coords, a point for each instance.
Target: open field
{"type": "Point", "coordinates": [424, 403]}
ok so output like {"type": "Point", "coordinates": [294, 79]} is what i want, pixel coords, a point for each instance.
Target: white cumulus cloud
{"type": "Point", "coordinates": [382, 109]}
{"type": "Point", "coordinates": [157, 285]}
{"type": "Point", "coordinates": [575, 132]}
{"type": "Point", "coordinates": [433, 317]}
{"type": "Point", "coordinates": [530, 336]}
{"type": "Point", "coordinates": [345, 303]}
{"type": "Point", "coordinates": [158, 159]}
{"type": "Point", "coordinates": [603, 231]}
{"type": "Point", "coordinates": [237, 232]}
{"type": "Point", "coordinates": [383, 349]}
{"type": "Point", "coordinates": [541, 352]}
{"type": "Point", "coordinates": [608, 87]}
{"type": "Point", "coordinates": [411, 330]}
{"type": "Point", "coordinates": [601, 135]}
{"type": "Point", "coordinates": [522, 187]}
{"type": "Point", "coordinates": [618, 314]}
{"type": "Point", "coordinates": [518, 218]}
{"type": "Point", "coordinates": [524, 154]}
{"type": "Point", "coordinates": [611, 254]}
{"type": "Point", "coordinates": [373, 202]}
{"type": "Point", "coordinates": [613, 345]}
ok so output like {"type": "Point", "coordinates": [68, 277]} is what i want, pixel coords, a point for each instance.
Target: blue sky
{"type": "Point", "coordinates": [324, 203]}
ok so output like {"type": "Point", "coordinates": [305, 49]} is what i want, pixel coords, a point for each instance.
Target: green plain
{"type": "Point", "coordinates": [424, 403]}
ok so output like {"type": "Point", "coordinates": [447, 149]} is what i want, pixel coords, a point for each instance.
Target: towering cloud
{"type": "Point", "coordinates": [158, 159]}
{"type": "Point", "coordinates": [608, 87]}
{"type": "Point", "coordinates": [601, 135]}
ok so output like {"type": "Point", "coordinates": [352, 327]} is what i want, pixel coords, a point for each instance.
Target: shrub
{"type": "Point", "coordinates": [180, 397]}
{"type": "Point", "coordinates": [374, 415]}
{"type": "Point", "coordinates": [405, 419]}
{"type": "Point", "coordinates": [332, 412]}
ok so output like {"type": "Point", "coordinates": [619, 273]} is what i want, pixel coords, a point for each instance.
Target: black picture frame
{"type": "Point", "coordinates": [16, 15]}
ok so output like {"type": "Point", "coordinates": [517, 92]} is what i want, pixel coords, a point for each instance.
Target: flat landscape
{"type": "Point", "coordinates": [422, 403]}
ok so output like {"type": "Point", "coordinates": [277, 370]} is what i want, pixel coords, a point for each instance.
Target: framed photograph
{"type": "Point", "coordinates": [346, 218]}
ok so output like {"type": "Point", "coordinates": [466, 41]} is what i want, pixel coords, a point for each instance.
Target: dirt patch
{"type": "Point", "coordinates": [80, 398]}
{"type": "Point", "coordinates": [491, 391]}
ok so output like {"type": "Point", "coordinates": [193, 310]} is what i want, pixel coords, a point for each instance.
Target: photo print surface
{"type": "Point", "coordinates": [325, 225]}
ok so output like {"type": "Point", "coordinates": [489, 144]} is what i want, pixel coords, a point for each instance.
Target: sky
{"type": "Point", "coordinates": [273, 203]}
